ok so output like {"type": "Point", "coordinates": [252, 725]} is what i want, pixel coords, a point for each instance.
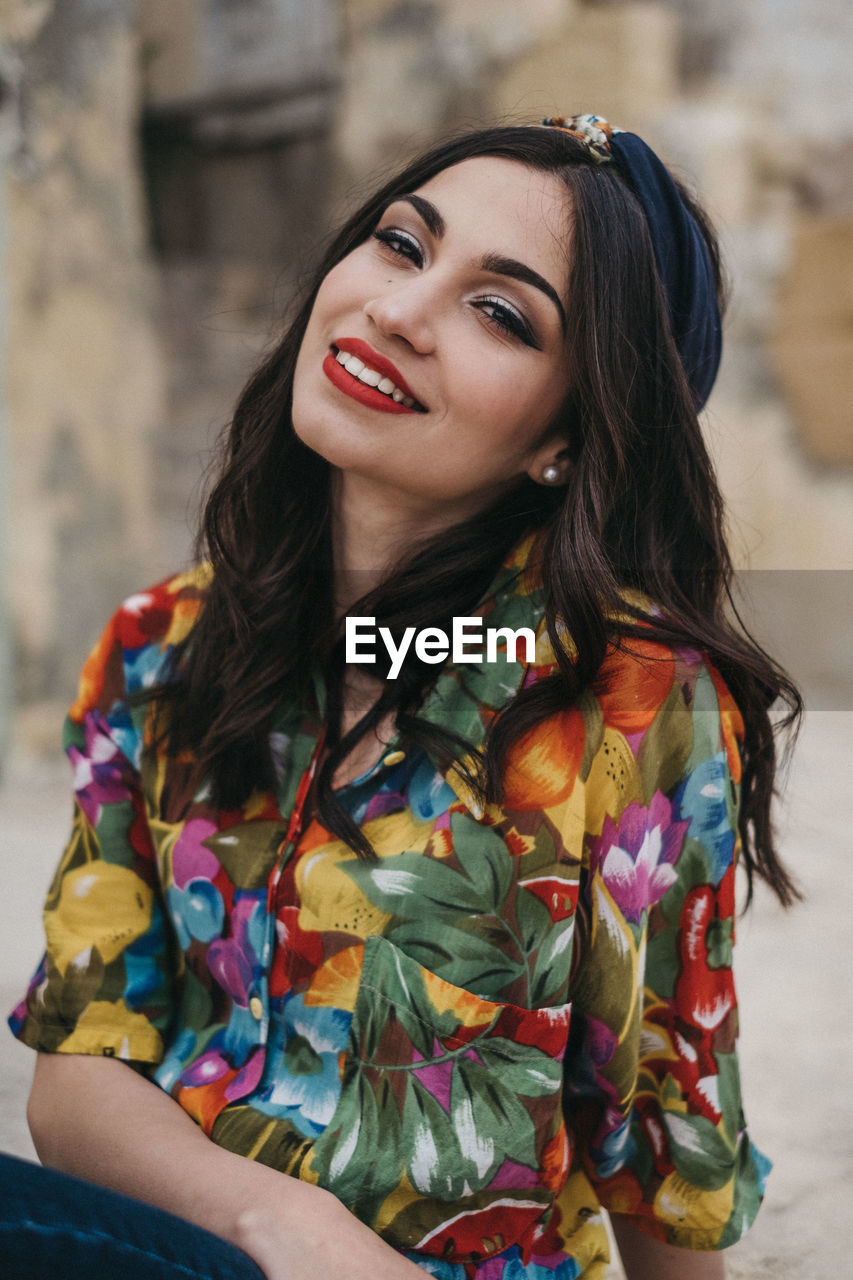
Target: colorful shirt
{"type": "Point", "coordinates": [511, 1017]}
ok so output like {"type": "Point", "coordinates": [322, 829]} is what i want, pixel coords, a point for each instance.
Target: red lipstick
{"type": "Point", "coordinates": [357, 390]}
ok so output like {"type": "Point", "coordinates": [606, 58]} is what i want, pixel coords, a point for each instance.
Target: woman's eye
{"type": "Point", "coordinates": [507, 319]}
{"type": "Point", "coordinates": [400, 243]}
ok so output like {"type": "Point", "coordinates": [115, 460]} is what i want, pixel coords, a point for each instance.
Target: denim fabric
{"type": "Point", "coordinates": [55, 1227]}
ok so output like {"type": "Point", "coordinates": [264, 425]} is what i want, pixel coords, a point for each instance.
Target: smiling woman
{"type": "Point", "coordinates": [460, 287]}
{"type": "Point", "coordinates": [403, 961]}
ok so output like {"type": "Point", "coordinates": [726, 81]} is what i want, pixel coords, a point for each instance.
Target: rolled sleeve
{"type": "Point", "coordinates": [106, 982]}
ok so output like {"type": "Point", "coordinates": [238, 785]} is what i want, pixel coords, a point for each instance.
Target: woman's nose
{"type": "Point", "coordinates": [405, 310]}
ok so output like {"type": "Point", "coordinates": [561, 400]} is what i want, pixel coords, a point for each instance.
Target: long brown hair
{"type": "Point", "coordinates": [641, 510]}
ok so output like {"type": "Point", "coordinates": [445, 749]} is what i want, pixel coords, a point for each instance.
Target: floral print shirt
{"type": "Point", "coordinates": [507, 1020]}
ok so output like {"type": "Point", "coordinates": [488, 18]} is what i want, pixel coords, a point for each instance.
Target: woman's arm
{"type": "Point", "coordinates": [97, 1119]}
{"type": "Point", "coordinates": [645, 1258]}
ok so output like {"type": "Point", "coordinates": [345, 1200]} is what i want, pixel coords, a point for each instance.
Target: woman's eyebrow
{"type": "Point", "coordinates": [493, 262]}
{"type": "Point", "coordinates": [518, 271]}
{"type": "Point", "coordinates": [432, 218]}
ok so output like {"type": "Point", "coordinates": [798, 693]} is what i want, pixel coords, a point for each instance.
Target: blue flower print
{"type": "Point", "coordinates": [302, 1081]}
{"type": "Point", "coordinates": [702, 799]}
{"type": "Point", "coordinates": [429, 794]}
{"type": "Point", "coordinates": [169, 1071]}
{"type": "Point", "coordinates": [197, 911]}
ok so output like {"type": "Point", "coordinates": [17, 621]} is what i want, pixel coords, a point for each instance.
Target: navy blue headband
{"type": "Point", "coordinates": [682, 256]}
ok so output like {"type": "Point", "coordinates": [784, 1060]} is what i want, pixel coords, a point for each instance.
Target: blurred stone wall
{"type": "Point", "coordinates": [171, 166]}
{"type": "Point", "coordinates": [84, 375]}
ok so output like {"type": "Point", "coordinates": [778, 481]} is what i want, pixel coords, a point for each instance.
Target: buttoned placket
{"type": "Point", "coordinates": [289, 848]}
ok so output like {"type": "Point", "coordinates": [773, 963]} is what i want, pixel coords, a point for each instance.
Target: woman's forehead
{"type": "Point", "coordinates": [505, 206]}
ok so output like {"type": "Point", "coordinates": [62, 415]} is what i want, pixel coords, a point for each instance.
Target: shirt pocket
{"type": "Point", "coordinates": [448, 1137]}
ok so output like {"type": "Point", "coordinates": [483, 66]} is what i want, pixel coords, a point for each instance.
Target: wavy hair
{"type": "Point", "coordinates": [641, 510]}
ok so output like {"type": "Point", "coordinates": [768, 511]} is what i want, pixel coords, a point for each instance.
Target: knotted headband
{"type": "Point", "coordinates": [682, 256]}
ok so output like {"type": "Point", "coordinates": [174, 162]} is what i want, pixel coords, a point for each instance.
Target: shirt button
{"type": "Point", "coordinates": [394, 757]}
{"type": "Point", "coordinates": [256, 1007]}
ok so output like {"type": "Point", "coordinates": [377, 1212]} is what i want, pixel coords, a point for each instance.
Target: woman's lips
{"type": "Point", "coordinates": [352, 386]}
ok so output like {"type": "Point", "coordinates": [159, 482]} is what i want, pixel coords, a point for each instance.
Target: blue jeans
{"type": "Point", "coordinates": [55, 1227]}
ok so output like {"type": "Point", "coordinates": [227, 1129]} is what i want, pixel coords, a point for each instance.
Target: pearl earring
{"type": "Point", "coordinates": [551, 474]}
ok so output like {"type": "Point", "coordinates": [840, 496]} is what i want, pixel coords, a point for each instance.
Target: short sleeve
{"type": "Point", "coordinates": [653, 1086]}
{"type": "Point", "coordinates": [105, 984]}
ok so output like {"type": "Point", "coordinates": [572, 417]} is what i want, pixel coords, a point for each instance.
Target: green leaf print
{"type": "Point", "coordinates": [719, 943]}
{"type": "Point", "coordinates": [700, 1152]}
{"type": "Point", "coordinates": [728, 1084]}
{"type": "Point", "coordinates": [409, 885]}
{"type": "Point", "coordinates": [694, 868]}
{"type": "Point", "coordinates": [552, 964]}
{"type": "Point", "coordinates": [483, 1104]}
{"type": "Point", "coordinates": [706, 722]}
{"type": "Point", "coordinates": [519, 1068]}
{"type": "Point", "coordinates": [247, 851]}
{"type": "Point", "coordinates": [460, 954]}
{"type": "Point", "coordinates": [435, 1164]}
{"type": "Point", "coordinates": [484, 859]}
{"type": "Point", "coordinates": [534, 922]}
{"type": "Point", "coordinates": [593, 720]}
{"type": "Point", "coordinates": [666, 745]}
{"type": "Point", "coordinates": [362, 1126]}
{"type": "Point", "coordinates": [114, 823]}
{"type": "Point", "coordinates": [747, 1196]}
{"type": "Point", "coordinates": [662, 963]}
{"type": "Point", "coordinates": [434, 1090]}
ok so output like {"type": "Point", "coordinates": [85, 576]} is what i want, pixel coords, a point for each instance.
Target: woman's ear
{"type": "Point", "coordinates": [551, 465]}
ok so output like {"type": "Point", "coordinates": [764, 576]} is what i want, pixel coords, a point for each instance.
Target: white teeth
{"type": "Point", "coordinates": [372, 378]}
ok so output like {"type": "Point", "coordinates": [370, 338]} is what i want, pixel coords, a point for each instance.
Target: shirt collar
{"type": "Point", "coordinates": [466, 696]}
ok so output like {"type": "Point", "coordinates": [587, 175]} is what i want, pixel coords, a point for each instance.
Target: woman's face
{"type": "Point", "coordinates": [451, 320]}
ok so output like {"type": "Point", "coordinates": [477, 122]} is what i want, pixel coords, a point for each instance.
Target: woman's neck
{"type": "Point", "coordinates": [373, 529]}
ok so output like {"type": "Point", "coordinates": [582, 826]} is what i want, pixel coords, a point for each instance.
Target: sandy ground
{"type": "Point", "coordinates": [794, 976]}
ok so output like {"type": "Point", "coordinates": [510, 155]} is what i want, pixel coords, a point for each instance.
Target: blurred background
{"type": "Point", "coordinates": [171, 166]}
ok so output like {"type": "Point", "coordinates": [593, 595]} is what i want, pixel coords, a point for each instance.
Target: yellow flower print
{"type": "Point", "coordinates": [613, 783]}
{"type": "Point", "coordinates": [199, 576]}
{"type": "Point", "coordinates": [331, 900]}
{"type": "Point", "coordinates": [696, 1217]}
{"type": "Point", "coordinates": [101, 905]}
{"type": "Point", "coordinates": [107, 1023]}
{"type": "Point", "coordinates": [395, 831]}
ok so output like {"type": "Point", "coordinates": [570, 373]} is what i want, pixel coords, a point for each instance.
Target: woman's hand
{"type": "Point", "coordinates": [303, 1233]}
{"type": "Point", "coordinates": [98, 1119]}
{"type": "Point", "coordinates": [645, 1258]}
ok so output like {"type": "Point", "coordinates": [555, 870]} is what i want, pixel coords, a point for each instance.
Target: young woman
{"type": "Point", "coordinates": [395, 929]}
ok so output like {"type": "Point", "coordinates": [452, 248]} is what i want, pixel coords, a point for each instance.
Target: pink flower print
{"type": "Point", "coordinates": [247, 1079]}
{"type": "Point", "coordinates": [99, 772]}
{"type": "Point", "coordinates": [636, 859]}
{"type": "Point", "coordinates": [235, 962]}
{"type": "Point", "coordinates": [190, 859]}
{"type": "Point", "coordinates": [206, 1069]}
{"type": "Point", "coordinates": [232, 969]}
